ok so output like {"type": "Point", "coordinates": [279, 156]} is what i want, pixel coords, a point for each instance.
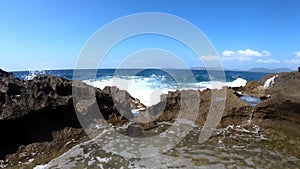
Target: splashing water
{"type": "Point", "coordinates": [270, 82]}
{"type": "Point", "coordinates": [33, 73]}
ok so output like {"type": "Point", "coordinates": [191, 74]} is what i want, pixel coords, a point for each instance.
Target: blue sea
{"type": "Point", "coordinates": [200, 75]}
{"type": "Point", "coordinates": [148, 84]}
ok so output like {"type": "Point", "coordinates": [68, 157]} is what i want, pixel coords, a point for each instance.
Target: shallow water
{"type": "Point", "coordinates": [231, 147]}
{"type": "Point", "coordinates": [251, 100]}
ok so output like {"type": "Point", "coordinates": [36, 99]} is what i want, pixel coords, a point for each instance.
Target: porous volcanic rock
{"type": "Point", "coordinates": [282, 110]}
{"type": "Point", "coordinates": [255, 88]}
{"type": "Point", "coordinates": [235, 111]}
{"type": "Point", "coordinates": [42, 112]}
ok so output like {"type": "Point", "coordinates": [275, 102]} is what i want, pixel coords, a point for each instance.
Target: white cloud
{"type": "Point", "coordinates": [297, 54]}
{"type": "Point", "coordinates": [266, 53]}
{"type": "Point", "coordinates": [268, 61]}
{"type": "Point", "coordinates": [248, 53]}
{"type": "Point", "coordinates": [209, 58]}
{"type": "Point", "coordinates": [244, 55]}
{"type": "Point", "coordinates": [296, 60]}
{"type": "Point", "coordinates": [237, 58]}
{"type": "Point", "coordinates": [228, 53]}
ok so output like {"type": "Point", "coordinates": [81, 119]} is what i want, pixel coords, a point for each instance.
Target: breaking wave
{"type": "Point", "coordinates": [149, 89]}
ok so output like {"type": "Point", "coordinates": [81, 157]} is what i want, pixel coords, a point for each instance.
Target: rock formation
{"type": "Point", "coordinates": [42, 111]}
{"type": "Point", "coordinates": [39, 116]}
{"type": "Point", "coordinates": [282, 109]}
{"type": "Point", "coordinates": [255, 88]}
{"type": "Point", "coordinates": [235, 112]}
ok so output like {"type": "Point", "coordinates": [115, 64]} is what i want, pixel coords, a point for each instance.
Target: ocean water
{"type": "Point", "coordinates": [233, 147]}
{"type": "Point", "coordinates": [199, 75]}
{"type": "Point", "coordinates": [148, 84]}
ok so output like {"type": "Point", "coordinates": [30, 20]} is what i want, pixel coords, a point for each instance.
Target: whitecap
{"type": "Point", "coordinates": [149, 89]}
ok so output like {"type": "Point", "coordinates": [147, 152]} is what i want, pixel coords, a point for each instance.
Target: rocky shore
{"type": "Point", "coordinates": [280, 105]}
{"type": "Point", "coordinates": [38, 118]}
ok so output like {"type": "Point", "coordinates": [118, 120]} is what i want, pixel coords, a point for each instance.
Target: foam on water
{"type": "Point", "coordinates": [33, 73]}
{"type": "Point", "coordinates": [239, 82]}
{"type": "Point", "coordinates": [149, 89]}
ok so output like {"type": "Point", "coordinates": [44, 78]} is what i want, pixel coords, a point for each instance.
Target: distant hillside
{"type": "Point", "coordinates": [213, 68]}
{"type": "Point", "coordinates": [265, 70]}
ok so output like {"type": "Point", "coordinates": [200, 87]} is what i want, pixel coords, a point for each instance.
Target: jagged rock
{"type": "Point", "coordinates": [39, 115]}
{"type": "Point", "coordinates": [31, 111]}
{"type": "Point", "coordinates": [235, 112]}
{"type": "Point", "coordinates": [282, 110]}
{"type": "Point", "coordinates": [62, 140]}
{"type": "Point", "coordinates": [255, 88]}
{"type": "Point", "coordinates": [136, 103]}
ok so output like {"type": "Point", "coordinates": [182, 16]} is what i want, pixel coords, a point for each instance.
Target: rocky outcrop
{"type": "Point", "coordinates": [280, 105]}
{"type": "Point", "coordinates": [254, 88]}
{"type": "Point", "coordinates": [235, 111]}
{"type": "Point", "coordinates": [40, 116]}
{"type": "Point", "coordinates": [282, 109]}
{"type": "Point", "coordinates": [39, 111]}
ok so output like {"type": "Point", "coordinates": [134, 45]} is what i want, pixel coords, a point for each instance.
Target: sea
{"type": "Point", "coordinates": [233, 147]}
{"type": "Point", "coordinates": [148, 84]}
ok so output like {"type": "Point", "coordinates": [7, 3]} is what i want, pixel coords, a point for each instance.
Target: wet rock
{"type": "Point", "coordinates": [136, 103]}
{"type": "Point", "coordinates": [62, 141]}
{"type": "Point", "coordinates": [42, 112]}
{"type": "Point", "coordinates": [235, 111]}
{"type": "Point", "coordinates": [255, 88]}
{"type": "Point", "coordinates": [282, 110]}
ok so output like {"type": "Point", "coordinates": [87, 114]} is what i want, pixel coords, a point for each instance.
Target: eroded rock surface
{"type": "Point", "coordinates": [39, 116]}
{"type": "Point", "coordinates": [255, 88]}
{"type": "Point", "coordinates": [41, 112]}
{"type": "Point", "coordinates": [282, 109]}
{"type": "Point", "coordinates": [235, 111]}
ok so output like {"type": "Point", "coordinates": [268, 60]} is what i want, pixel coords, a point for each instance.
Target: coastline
{"type": "Point", "coordinates": [27, 102]}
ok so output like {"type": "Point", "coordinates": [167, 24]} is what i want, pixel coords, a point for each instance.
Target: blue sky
{"type": "Point", "coordinates": [49, 34]}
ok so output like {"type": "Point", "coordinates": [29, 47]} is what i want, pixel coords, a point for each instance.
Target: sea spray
{"type": "Point", "coordinates": [270, 82]}
{"type": "Point", "coordinates": [32, 73]}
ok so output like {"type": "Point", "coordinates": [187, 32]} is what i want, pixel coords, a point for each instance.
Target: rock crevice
{"type": "Point", "coordinates": [40, 110]}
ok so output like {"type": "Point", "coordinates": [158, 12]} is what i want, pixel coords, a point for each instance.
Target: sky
{"type": "Point", "coordinates": [51, 34]}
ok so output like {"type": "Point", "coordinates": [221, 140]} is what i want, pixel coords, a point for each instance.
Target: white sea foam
{"type": "Point", "coordinates": [33, 73]}
{"type": "Point", "coordinates": [149, 89]}
{"type": "Point", "coordinates": [40, 167]}
{"type": "Point", "coordinates": [270, 82]}
{"type": "Point", "coordinates": [239, 82]}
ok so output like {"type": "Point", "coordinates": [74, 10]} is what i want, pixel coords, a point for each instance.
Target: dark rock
{"type": "Point", "coordinates": [235, 112]}
{"type": "Point", "coordinates": [31, 111]}
{"type": "Point", "coordinates": [41, 115]}
{"type": "Point", "coordinates": [61, 141]}
{"type": "Point", "coordinates": [6, 75]}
